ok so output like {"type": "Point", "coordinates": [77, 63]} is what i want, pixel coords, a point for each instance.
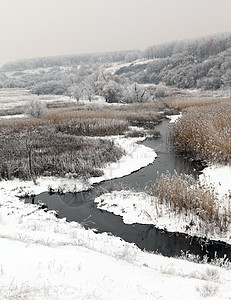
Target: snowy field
{"type": "Point", "coordinates": [43, 257]}
{"type": "Point", "coordinates": [116, 66]}
{"type": "Point", "coordinates": [11, 98]}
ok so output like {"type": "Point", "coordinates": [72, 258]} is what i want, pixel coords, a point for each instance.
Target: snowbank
{"type": "Point", "coordinates": [43, 257]}
{"type": "Point", "coordinates": [13, 116]}
{"type": "Point", "coordinates": [137, 156]}
{"type": "Point", "coordinates": [218, 177]}
{"type": "Point", "coordinates": [174, 118]}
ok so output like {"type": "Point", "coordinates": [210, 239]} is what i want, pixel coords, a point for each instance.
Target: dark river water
{"type": "Point", "coordinates": [80, 207]}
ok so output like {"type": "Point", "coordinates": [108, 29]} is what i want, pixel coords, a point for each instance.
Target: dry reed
{"type": "Point", "coordinates": [205, 132]}
{"type": "Point", "coordinates": [183, 194]}
{"type": "Point", "coordinates": [179, 103]}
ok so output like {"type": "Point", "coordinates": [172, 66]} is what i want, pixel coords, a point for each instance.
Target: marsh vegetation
{"type": "Point", "coordinates": [66, 140]}
{"type": "Point", "coordinates": [204, 132]}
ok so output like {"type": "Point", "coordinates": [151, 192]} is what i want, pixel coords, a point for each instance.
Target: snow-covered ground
{"type": "Point", "coordinates": [13, 116]}
{"type": "Point", "coordinates": [174, 118]}
{"type": "Point", "coordinates": [10, 98]}
{"type": "Point", "coordinates": [219, 177]}
{"type": "Point", "coordinates": [116, 66]}
{"type": "Point", "coordinates": [139, 207]}
{"type": "Point", "coordinates": [42, 257]}
{"type": "Point", "coordinates": [137, 156]}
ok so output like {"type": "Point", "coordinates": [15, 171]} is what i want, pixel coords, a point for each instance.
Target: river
{"type": "Point", "coordinates": [80, 206]}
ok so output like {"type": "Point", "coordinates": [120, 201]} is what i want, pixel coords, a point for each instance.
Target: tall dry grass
{"type": "Point", "coordinates": [83, 120]}
{"type": "Point", "coordinates": [183, 194]}
{"type": "Point", "coordinates": [44, 152]}
{"type": "Point", "coordinates": [57, 143]}
{"type": "Point", "coordinates": [80, 123]}
{"type": "Point", "coordinates": [179, 103]}
{"type": "Point", "coordinates": [205, 132]}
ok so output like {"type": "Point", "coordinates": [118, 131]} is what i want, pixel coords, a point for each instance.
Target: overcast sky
{"type": "Point", "coordinates": [32, 28]}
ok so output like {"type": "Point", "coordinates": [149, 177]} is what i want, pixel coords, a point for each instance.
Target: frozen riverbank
{"type": "Point", "coordinates": [43, 257]}
{"type": "Point", "coordinates": [145, 209]}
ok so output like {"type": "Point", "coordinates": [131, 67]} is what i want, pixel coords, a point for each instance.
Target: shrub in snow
{"type": "Point", "coordinates": [160, 91]}
{"type": "Point", "coordinates": [207, 290]}
{"type": "Point", "coordinates": [35, 108]}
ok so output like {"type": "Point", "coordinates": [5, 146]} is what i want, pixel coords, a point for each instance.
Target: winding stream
{"type": "Point", "coordinates": [80, 207]}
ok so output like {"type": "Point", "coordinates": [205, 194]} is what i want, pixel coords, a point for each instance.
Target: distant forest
{"type": "Point", "coordinates": [203, 63]}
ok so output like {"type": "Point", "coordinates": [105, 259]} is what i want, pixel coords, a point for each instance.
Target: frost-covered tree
{"type": "Point", "coordinates": [112, 91]}
{"type": "Point", "coordinates": [135, 93]}
{"type": "Point", "coordinates": [160, 91]}
{"type": "Point", "coordinates": [35, 108]}
{"type": "Point", "coordinates": [88, 89]}
{"type": "Point", "coordinates": [132, 56]}
{"type": "Point", "coordinates": [75, 91]}
{"type": "Point", "coordinates": [49, 87]}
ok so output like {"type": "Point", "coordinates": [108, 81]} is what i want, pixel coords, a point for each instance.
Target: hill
{"type": "Point", "coordinates": [203, 64]}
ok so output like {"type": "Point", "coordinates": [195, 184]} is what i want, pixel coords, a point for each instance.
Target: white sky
{"type": "Point", "coordinates": [32, 28]}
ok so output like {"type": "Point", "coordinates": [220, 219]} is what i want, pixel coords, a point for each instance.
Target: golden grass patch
{"type": "Point", "coordinates": [205, 132]}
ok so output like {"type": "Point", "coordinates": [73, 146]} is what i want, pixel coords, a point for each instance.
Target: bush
{"type": "Point", "coordinates": [35, 108]}
{"type": "Point", "coordinates": [160, 91]}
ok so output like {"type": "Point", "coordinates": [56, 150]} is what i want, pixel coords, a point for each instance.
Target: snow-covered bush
{"type": "Point", "coordinates": [160, 91]}
{"type": "Point", "coordinates": [35, 108]}
{"type": "Point", "coordinates": [207, 290]}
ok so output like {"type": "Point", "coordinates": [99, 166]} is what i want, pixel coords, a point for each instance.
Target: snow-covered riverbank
{"type": "Point", "coordinates": [142, 208]}
{"type": "Point", "coordinates": [43, 257]}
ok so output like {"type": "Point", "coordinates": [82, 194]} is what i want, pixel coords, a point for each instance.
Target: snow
{"type": "Point", "coordinates": [116, 66]}
{"type": "Point", "coordinates": [43, 257]}
{"type": "Point", "coordinates": [174, 118]}
{"type": "Point", "coordinates": [11, 98]}
{"type": "Point", "coordinates": [219, 177]}
{"type": "Point", "coordinates": [13, 116]}
{"type": "Point", "coordinates": [137, 156]}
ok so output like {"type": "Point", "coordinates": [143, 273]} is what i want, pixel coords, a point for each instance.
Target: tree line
{"type": "Point", "coordinates": [200, 63]}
